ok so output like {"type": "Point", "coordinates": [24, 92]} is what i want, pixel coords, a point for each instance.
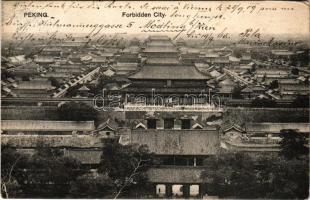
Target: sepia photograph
{"type": "Point", "coordinates": [155, 99]}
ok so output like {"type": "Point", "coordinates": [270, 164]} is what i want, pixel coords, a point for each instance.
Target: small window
{"type": "Point", "coordinates": [191, 161]}
{"type": "Point", "coordinates": [199, 161]}
{"type": "Point", "coordinates": [151, 123]}
{"type": "Point", "coordinates": [180, 161]}
{"type": "Point", "coordinates": [108, 133]}
{"type": "Point", "coordinates": [169, 83]}
{"type": "Point", "coordinates": [167, 160]}
{"type": "Point", "coordinates": [168, 123]}
{"type": "Point", "coordinates": [186, 124]}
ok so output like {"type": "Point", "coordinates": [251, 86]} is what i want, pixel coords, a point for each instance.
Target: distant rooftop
{"type": "Point", "coordinates": [162, 61]}
{"type": "Point", "coordinates": [277, 127]}
{"type": "Point", "coordinates": [122, 66]}
{"type": "Point", "coordinates": [158, 37]}
{"type": "Point", "coordinates": [178, 142]}
{"type": "Point", "coordinates": [44, 60]}
{"type": "Point", "coordinates": [282, 52]}
{"type": "Point", "coordinates": [39, 125]}
{"type": "Point", "coordinates": [160, 49]}
{"type": "Point", "coordinates": [160, 43]}
{"type": "Point", "coordinates": [35, 84]}
{"type": "Point", "coordinates": [170, 73]}
{"type": "Point", "coordinates": [29, 141]}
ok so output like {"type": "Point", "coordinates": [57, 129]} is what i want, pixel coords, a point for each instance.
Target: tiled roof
{"type": "Point", "coordinates": [234, 59]}
{"type": "Point", "coordinates": [277, 127]}
{"type": "Point", "coordinates": [227, 82]}
{"type": "Point", "coordinates": [221, 60]}
{"type": "Point", "coordinates": [109, 72]}
{"type": "Point", "coordinates": [175, 175]}
{"type": "Point", "coordinates": [282, 52]}
{"type": "Point", "coordinates": [226, 90]}
{"type": "Point", "coordinates": [67, 66]}
{"type": "Point", "coordinates": [212, 55]}
{"type": "Point", "coordinates": [11, 80]}
{"type": "Point", "coordinates": [122, 66]}
{"type": "Point", "coordinates": [85, 156]}
{"type": "Point", "coordinates": [67, 70]}
{"type": "Point", "coordinates": [83, 88]}
{"type": "Point", "coordinates": [17, 59]}
{"type": "Point", "coordinates": [6, 89]}
{"type": "Point", "coordinates": [258, 88]}
{"type": "Point", "coordinates": [107, 54]}
{"type": "Point", "coordinates": [39, 125]}
{"type": "Point", "coordinates": [131, 49]}
{"type": "Point", "coordinates": [159, 43]}
{"type": "Point", "coordinates": [24, 68]}
{"type": "Point", "coordinates": [247, 90]}
{"type": "Point", "coordinates": [158, 37]}
{"type": "Point", "coordinates": [35, 84]}
{"type": "Point", "coordinates": [178, 142]}
{"type": "Point", "coordinates": [294, 87]}
{"type": "Point", "coordinates": [171, 90]}
{"type": "Point", "coordinates": [161, 49]}
{"type": "Point", "coordinates": [98, 59]}
{"type": "Point", "coordinates": [108, 124]}
{"type": "Point", "coordinates": [246, 57]}
{"type": "Point", "coordinates": [56, 75]}
{"type": "Point", "coordinates": [272, 71]}
{"type": "Point", "coordinates": [215, 73]}
{"type": "Point", "coordinates": [162, 61]}
{"type": "Point", "coordinates": [44, 60]}
{"type": "Point", "coordinates": [252, 147]}
{"type": "Point", "coordinates": [288, 81]}
{"type": "Point", "coordinates": [169, 72]}
{"type": "Point", "coordinates": [227, 127]}
{"type": "Point", "coordinates": [52, 49]}
{"type": "Point", "coordinates": [31, 141]}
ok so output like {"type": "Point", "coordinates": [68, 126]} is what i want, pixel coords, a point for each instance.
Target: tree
{"type": "Point", "coordinates": [301, 101]}
{"type": "Point", "coordinates": [295, 71]}
{"type": "Point", "coordinates": [240, 117]}
{"type": "Point", "coordinates": [48, 173]}
{"type": "Point", "coordinates": [237, 53]}
{"type": "Point", "coordinates": [236, 92]}
{"type": "Point", "coordinates": [11, 162]}
{"type": "Point", "coordinates": [293, 144]}
{"type": "Point", "coordinates": [274, 84]}
{"type": "Point", "coordinates": [76, 111]}
{"type": "Point", "coordinates": [73, 91]}
{"type": "Point", "coordinates": [126, 166]}
{"type": "Point", "coordinates": [263, 102]}
{"type": "Point", "coordinates": [239, 175]}
{"type": "Point", "coordinates": [92, 185]}
{"type": "Point", "coordinates": [264, 77]}
{"type": "Point", "coordinates": [102, 81]}
{"type": "Point", "coordinates": [5, 74]}
{"type": "Point", "coordinates": [230, 175]}
{"type": "Point", "coordinates": [307, 80]}
{"type": "Point", "coordinates": [289, 179]}
{"type": "Point", "coordinates": [54, 82]}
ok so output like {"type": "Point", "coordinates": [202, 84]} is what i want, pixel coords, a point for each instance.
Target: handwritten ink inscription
{"type": "Point", "coordinates": [253, 23]}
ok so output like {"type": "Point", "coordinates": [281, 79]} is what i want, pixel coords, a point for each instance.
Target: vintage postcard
{"type": "Point", "coordinates": [155, 99]}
